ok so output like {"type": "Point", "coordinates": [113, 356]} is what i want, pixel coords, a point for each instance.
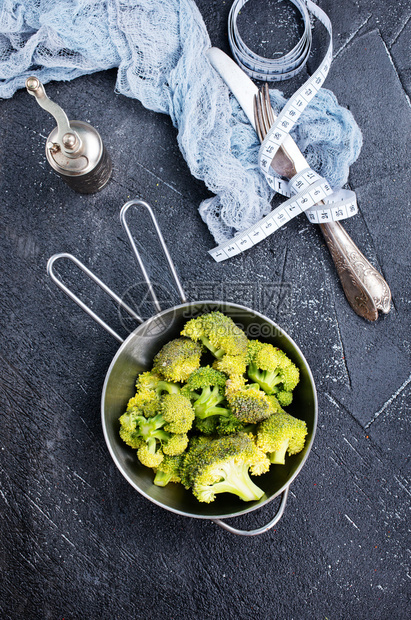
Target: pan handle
{"type": "Point", "coordinates": [78, 301]}
{"type": "Point", "coordinates": [259, 530]}
{"type": "Point", "coordinates": [142, 203]}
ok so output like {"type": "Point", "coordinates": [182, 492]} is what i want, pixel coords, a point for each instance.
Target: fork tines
{"type": "Point", "coordinates": [263, 113]}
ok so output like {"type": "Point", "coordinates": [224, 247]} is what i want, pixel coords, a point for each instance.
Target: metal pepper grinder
{"type": "Point", "coordinates": [74, 149]}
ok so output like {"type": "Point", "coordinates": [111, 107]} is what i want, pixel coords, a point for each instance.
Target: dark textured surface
{"type": "Point", "coordinates": [77, 541]}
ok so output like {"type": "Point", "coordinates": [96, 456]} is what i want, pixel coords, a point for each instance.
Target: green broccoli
{"type": "Point", "coordinates": [206, 388]}
{"type": "Point", "coordinates": [149, 455]}
{"type": "Point", "coordinates": [168, 470]}
{"type": "Point", "coordinates": [177, 359]}
{"type": "Point", "coordinates": [207, 426]}
{"type": "Point", "coordinates": [279, 434]}
{"type": "Point", "coordinates": [156, 435]}
{"type": "Point", "coordinates": [177, 412]}
{"type": "Point", "coordinates": [272, 370]}
{"type": "Point", "coordinates": [249, 404]}
{"type": "Point", "coordinates": [151, 381]}
{"type": "Point", "coordinates": [198, 440]}
{"type": "Point", "coordinates": [284, 398]}
{"type": "Point", "coordinates": [222, 465]}
{"type": "Point", "coordinates": [144, 403]}
{"type": "Point", "coordinates": [225, 424]}
{"type": "Point", "coordinates": [229, 423]}
{"type": "Point", "coordinates": [231, 365]}
{"type": "Point", "coordinates": [275, 404]}
{"type": "Point", "coordinates": [218, 333]}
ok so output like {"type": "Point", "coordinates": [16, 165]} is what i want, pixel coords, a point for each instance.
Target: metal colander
{"type": "Point", "coordinates": [135, 355]}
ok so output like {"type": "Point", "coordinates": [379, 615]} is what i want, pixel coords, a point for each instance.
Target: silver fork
{"type": "Point", "coordinates": [364, 287]}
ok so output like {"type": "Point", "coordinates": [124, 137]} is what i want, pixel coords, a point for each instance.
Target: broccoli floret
{"type": "Point", "coordinates": [149, 455]}
{"type": "Point", "coordinates": [163, 433]}
{"type": "Point", "coordinates": [222, 424]}
{"type": "Point", "coordinates": [175, 444]}
{"type": "Point", "coordinates": [131, 437]}
{"type": "Point", "coordinates": [237, 428]}
{"type": "Point", "coordinates": [272, 370]}
{"type": "Point", "coordinates": [197, 440]}
{"type": "Point", "coordinates": [207, 426]}
{"type": "Point", "coordinates": [218, 333]}
{"type": "Point", "coordinates": [249, 404]}
{"type": "Point", "coordinates": [231, 365]}
{"type": "Point", "coordinates": [284, 398]}
{"type": "Point", "coordinates": [153, 382]}
{"type": "Point", "coordinates": [145, 434]}
{"type": "Point", "coordinates": [144, 403]}
{"type": "Point", "coordinates": [222, 465]}
{"type": "Point", "coordinates": [177, 359]}
{"type": "Point", "coordinates": [229, 423]}
{"type": "Point", "coordinates": [275, 404]}
{"type": "Point", "coordinates": [206, 388]}
{"type": "Point", "coordinates": [168, 470]}
{"type": "Point", "coordinates": [177, 412]}
{"type": "Point", "coordinates": [279, 434]}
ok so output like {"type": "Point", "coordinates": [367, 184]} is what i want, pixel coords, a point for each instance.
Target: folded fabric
{"type": "Point", "coordinates": [159, 49]}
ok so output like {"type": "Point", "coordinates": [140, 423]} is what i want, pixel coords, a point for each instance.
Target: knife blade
{"type": "Point", "coordinates": [244, 90]}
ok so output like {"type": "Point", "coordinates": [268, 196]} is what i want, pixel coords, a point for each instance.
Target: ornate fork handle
{"type": "Point", "coordinates": [365, 288]}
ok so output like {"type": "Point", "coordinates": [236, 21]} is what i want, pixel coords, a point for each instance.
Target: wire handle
{"type": "Point", "coordinates": [142, 203]}
{"type": "Point", "coordinates": [104, 287]}
{"type": "Point", "coordinates": [78, 301]}
{"type": "Point", "coordinates": [259, 530]}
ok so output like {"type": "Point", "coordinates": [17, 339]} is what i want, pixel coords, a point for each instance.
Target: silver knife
{"type": "Point", "coordinates": [365, 288]}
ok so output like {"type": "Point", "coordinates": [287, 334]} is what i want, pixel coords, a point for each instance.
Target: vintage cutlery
{"type": "Point", "coordinates": [365, 288]}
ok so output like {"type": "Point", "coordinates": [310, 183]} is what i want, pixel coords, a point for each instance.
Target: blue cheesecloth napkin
{"type": "Point", "coordinates": [158, 47]}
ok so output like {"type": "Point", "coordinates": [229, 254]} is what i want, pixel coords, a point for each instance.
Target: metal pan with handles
{"type": "Point", "coordinates": [135, 355]}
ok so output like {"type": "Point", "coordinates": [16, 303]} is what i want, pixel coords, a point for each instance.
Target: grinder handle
{"type": "Point", "coordinates": [67, 139]}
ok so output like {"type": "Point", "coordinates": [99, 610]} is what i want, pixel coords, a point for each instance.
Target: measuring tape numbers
{"type": "Point", "coordinates": [307, 188]}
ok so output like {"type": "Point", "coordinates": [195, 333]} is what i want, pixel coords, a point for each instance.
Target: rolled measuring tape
{"type": "Point", "coordinates": [307, 188]}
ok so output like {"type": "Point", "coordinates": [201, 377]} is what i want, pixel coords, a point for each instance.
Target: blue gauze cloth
{"type": "Point", "coordinates": [159, 49]}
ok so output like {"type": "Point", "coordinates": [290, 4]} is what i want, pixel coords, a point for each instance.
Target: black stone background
{"type": "Point", "coordinates": [78, 542]}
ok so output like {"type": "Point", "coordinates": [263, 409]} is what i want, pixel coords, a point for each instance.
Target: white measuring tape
{"type": "Point", "coordinates": [307, 188]}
